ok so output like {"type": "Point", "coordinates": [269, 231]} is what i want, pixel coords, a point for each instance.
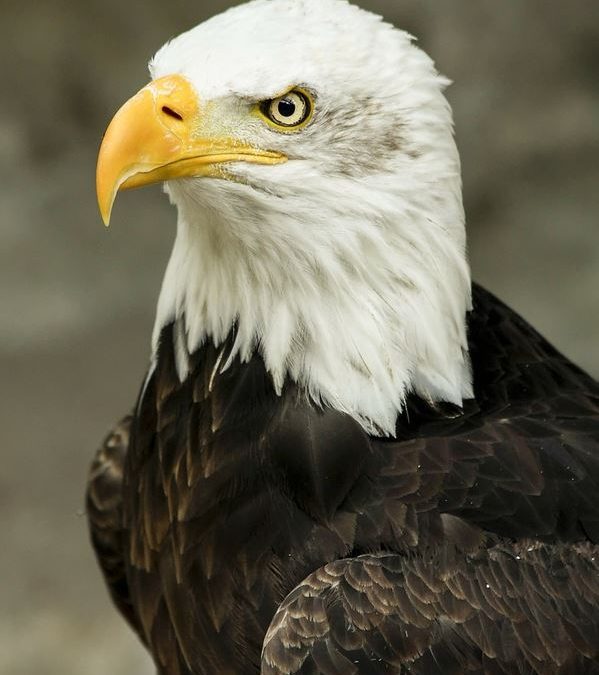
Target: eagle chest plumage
{"type": "Point", "coordinates": [233, 496]}
{"type": "Point", "coordinates": [243, 509]}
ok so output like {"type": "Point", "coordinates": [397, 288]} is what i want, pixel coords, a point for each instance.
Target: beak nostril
{"type": "Point", "coordinates": [171, 113]}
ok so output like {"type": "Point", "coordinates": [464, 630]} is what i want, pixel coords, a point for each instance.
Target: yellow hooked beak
{"type": "Point", "coordinates": [157, 136]}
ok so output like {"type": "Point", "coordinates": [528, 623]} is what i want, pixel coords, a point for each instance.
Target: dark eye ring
{"type": "Point", "coordinates": [290, 111]}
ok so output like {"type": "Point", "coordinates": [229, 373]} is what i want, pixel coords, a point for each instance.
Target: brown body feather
{"type": "Point", "coordinates": [465, 545]}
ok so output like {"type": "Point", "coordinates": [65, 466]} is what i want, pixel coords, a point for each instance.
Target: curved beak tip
{"type": "Point", "coordinates": [106, 197]}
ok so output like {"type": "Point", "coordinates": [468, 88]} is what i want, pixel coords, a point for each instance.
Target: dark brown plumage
{"type": "Point", "coordinates": [465, 545]}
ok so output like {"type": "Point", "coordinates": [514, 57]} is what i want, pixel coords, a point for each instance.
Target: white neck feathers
{"type": "Point", "coordinates": [359, 305]}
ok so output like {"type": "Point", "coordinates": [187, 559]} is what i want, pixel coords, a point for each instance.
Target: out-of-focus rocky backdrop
{"type": "Point", "coordinates": [77, 301]}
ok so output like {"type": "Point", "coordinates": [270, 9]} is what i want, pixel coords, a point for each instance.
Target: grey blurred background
{"type": "Point", "coordinates": [77, 301]}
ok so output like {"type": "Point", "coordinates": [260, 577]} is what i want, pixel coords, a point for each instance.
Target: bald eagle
{"type": "Point", "coordinates": [345, 458]}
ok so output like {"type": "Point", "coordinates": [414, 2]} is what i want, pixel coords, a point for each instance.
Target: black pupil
{"type": "Point", "coordinates": [287, 107]}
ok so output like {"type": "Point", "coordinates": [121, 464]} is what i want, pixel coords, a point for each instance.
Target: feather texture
{"type": "Point", "coordinates": [473, 530]}
{"type": "Point", "coordinates": [510, 609]}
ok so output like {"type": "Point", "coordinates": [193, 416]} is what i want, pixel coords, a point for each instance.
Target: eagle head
{"type": "Point", "coordinates": [309, 150]}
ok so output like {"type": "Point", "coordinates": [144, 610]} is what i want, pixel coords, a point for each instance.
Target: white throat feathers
{"type": "Point", "coordinates": [345, 267]}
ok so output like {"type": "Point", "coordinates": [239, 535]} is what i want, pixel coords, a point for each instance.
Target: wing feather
{"type": "Point", "coordinates": [359, 615]}
{"type": "Point", "coordinates": [104, 505]}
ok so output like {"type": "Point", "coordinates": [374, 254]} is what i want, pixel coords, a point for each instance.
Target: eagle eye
{"type": "Point", "coordinates": [290, 112]}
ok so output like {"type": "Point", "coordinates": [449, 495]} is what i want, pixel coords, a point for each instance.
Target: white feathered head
{"type": "Point", "coordinates": [309, 150]}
